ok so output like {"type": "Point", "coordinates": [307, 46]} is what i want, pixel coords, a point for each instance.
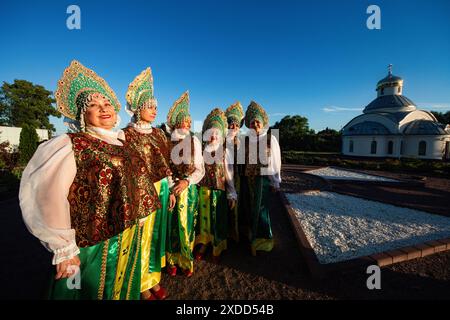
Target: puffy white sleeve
{"type": "Point", "coordinates": [44, 188]}
{"type": "Point", "coordinates": [229, 174]}
{"type": "Point", "coordinates": [275, 163]}
{"type": "Point", "coordinates": [199, 172]}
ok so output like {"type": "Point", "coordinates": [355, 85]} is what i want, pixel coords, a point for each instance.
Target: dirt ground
{"type": "Point", "coordinates": [280, 274]}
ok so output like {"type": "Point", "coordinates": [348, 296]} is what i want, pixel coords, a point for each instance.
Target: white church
{"type": "Point", "coordinates": [392, 126]}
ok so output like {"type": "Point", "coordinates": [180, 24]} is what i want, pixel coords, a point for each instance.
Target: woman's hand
{"type": "Point", "coordinates": [172, 201]}
{"type": "Point", "coordinates": [180, 186]}
{"type": "Point", "coordinates": [231, 203]}
{"type": "Point", "coordinates": [63, 269]}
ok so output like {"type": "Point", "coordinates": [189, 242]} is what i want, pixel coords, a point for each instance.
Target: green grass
{"type": "Point", "coordinates": [418, 166]}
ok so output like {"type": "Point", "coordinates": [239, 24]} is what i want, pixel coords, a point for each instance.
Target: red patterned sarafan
{"type": "Point", "coordinates": [108, 193]}
{"type": "Point", "coordinates": [154, 148]}
{"type": "Point", "coordinates": [183, 170]}
{"type": "Point", "coordinates": [214, 177]}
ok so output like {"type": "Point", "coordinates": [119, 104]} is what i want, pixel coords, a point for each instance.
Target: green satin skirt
{"type": "Point", "coordinates": [212, 225]}
{"type": "Point", "coordinates": [256, 206]}
{"type": "Point", "coordinates": [109, 270]}
{"type": "Point", "coordinates": [153, 240]}
{"type": "Point", "coordinates": [181, 230]}
{"type": "Point", "coordinates": [233, 214]}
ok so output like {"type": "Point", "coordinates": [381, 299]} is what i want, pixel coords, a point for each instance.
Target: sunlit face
{"type": "Point", "coordinates": [257, 126]}
{"type": "Point", "coordinates": [185, 126]}
{"type": "Point", "coordinates": [100, 113]}
{"type": "Point", "coordinates": [233, 130]}
{"type": "Point", "coordinates": [215, 136]}
{"type": "Point", "coordinates": [149, 114]}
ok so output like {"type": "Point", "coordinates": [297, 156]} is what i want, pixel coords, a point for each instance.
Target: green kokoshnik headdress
{"type": "Point", "coordinates": [179, 111]}
{"type": "Point", "coordinates": [140, 93]}
{"type": "Point", "coordinates": [216, 119]}
{"type": "Point", "coordinates": [74, 88]}
{"type": "Point", "coordinates": [235, 114]}
{"type": "Point", "coordinates": [256, 112]}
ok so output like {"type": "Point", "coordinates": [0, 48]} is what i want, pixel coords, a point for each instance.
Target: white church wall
{"type": "Point", "coordinates": [434, 146]}
{"type": "Point", "coordinates": [362, 146]}
{"type": "Point", "coordinates": [390, 91]}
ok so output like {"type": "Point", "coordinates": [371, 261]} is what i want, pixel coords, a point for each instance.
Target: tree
{"type": "Point", "coordinates": [327, 132]}
{"type": "Point", "coordinates": [28, 143]}
{"type": "Point", "coordinates": [26, 103]}
{"type": "Point", "coordinates": [329, 140]}
{"type": "Point", "coordinates": [441, 117]}
{"type": "Point", "coordinates": [294, 132]}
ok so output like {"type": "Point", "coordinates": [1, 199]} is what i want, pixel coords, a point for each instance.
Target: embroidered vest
{"type": "Point", "coordinates": [214, 177]}
{"type": "Point", "coordinates": [110, 192]}
{"type": "Point", "coordinates": [253, 163]}
{"type": "Point", "coordinates": [234, 147]}
{"type": "Point", "coordinates": [182, 170]}
{"type": "Point", "coordinates": [154, 148]}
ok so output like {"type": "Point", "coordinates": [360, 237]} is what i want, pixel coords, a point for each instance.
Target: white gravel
{"type": "Point", "coordinates": [340, 174]}
{"type": "Point", "coordinates": [341, 227]}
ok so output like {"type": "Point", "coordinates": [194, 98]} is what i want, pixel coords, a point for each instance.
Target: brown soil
{"type": "Point", "coordinates": [281, 274]}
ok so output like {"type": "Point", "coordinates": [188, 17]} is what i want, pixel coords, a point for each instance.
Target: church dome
{"type": "Point", "coordinates": [390, 103]}
{"type": "Point", "coordinates": [389, 98]}
{"type": "Point", "coordinates": [424, 127]}
{"type": "Point", "coordinates": [390, 81]}
{"type": "Point", "coordinates": [366, 128]}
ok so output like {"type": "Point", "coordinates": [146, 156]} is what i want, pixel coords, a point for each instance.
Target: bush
{"type": "Point", "coordinates": [8, 159]}
{"type": "Point", "coordinates": [9, 182]}
{"type": "Point", "coordinates": [28, 144]}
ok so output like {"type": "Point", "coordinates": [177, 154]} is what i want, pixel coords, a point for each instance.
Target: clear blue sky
{"type": "Point", "coordinates": [313, 58]}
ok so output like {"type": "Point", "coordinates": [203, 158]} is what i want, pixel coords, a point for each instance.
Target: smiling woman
{"type": "Point", "coordinates": [100, 112]}
{"type": "Point", "coordinates": [77, 195]}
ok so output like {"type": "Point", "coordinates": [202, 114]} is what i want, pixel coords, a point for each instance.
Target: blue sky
{"type": "Point", "coordinates": [313, 58]}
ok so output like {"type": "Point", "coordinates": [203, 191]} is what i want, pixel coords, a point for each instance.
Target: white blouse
{"type": "Point", "coordinates": [44, 188]}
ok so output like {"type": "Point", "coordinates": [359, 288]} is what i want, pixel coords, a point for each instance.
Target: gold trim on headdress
{"type": "Point", "coordinates": [178, 111]}
{"type": "Point", "coordinates": [216, 119]}
{"type": "Point", "coordinates": [140, 92]}
{"type": "Point", "coordinates": [235, 113]}
{"type": "Point", "coordinates": [255, 111]}
{"type": "Point", "coordinates": [75, 86]}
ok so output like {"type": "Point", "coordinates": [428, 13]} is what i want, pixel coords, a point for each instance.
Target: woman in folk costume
{"type": "Point", "coordinates": [235, 119]}
{"type": "Point", "coordinates": [153, 146]}
{"type": "Point", "coordinates": [261, 175]}
{"type": "Point", "coordinates": [187, 167]}
{"type": "Point", "coordinates": [212, 225]}
{"type": "Point", "coordinates": [81, 196]}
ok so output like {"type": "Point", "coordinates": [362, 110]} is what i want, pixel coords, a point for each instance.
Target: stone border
{"type": "Point", "coordinates": [398, 182]}
{"type": "Point", "coordinates": [382, 259]}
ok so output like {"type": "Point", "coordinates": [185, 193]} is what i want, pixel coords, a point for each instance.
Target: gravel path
{"type": "Point", "coordinates": [281, 274]}
{"type": "Point", "coordinates": [341, 227]}
{"type": "Point", "coordinates": [340, 174]}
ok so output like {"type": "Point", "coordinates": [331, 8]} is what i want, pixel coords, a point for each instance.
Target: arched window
{"type": "Point", "coordinates": [402, 147]}
{"type": "Point", "coordinates": [422, 148]}
{"type": "Point", "coordinates": [390, 147]}
{"type": "Point", "coordinates": [350, 147]}
{"type": "Point", "coordinates": [382, 91]}
{"type": "Point", "coordinates": [373, 147]}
